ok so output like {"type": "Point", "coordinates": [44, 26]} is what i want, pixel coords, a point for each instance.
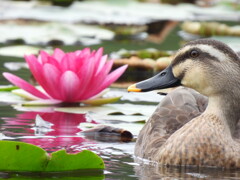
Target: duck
{"type": "Point", "coordinates": [197, 123]}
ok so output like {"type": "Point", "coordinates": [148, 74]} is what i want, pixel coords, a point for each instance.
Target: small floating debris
{"type": "Point", "coordinates": [108, 133]}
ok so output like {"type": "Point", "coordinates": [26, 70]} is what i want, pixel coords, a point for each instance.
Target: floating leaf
{"type": "Point", "coordinates": [15, 66]}
{"type": "Point", "coordinates": [101, 101]}
{"type": "Point", "coordinates": [61, 161]}
{"type": "Point", "coordinates": [19, 156]}
{"type": "Point", "coordinates": [10, 98]}
{"type": "Point", "coordinates": [123, 109]}
{"type": "Point", "coordinates": [61, 33]}
{"type": "Point", "coordinates": [20, 50]}
{"type": "Point", "coordinates": [123, 118]}
{"type": "Point", "coordinates": [8, 88]}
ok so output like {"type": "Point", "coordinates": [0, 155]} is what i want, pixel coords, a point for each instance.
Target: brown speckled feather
{"type": "Point", "coordinates": [176, 109]}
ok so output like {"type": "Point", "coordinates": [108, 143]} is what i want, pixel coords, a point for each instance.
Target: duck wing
{"type": "Point", "coordinates": [176, 109]}
{"type": "Point", "coordinates": [236, 134]}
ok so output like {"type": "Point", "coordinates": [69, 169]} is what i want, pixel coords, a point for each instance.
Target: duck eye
{"type": "Point", "coordinates": [194, 53]}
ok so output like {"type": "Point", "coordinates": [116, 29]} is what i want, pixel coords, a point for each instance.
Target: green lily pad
{"type": "Point", "coordinates": [61, 161]}
{"type": "Point", "coordinates": [8, 88]}
{"type": "Point", "coordinates": [20, 156]}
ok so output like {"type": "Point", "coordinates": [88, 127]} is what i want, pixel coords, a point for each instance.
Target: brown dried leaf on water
{"type": "Point", "coordinates": [163, 62]}
{"type": "Point", "coordinates": [147, 63]}
{"type": "Point", "coordinates": [108, 133]}
{"type": "Point", "coordinates": [135, 62]}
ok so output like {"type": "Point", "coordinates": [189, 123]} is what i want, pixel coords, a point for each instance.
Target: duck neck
{"type": "Point", "coordinates": [226, 108]}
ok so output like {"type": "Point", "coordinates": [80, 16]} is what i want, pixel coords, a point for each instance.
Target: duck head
{"type": "Point", "coordinates": [205, 65]}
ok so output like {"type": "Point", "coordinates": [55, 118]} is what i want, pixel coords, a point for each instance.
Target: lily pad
{"type": "Point", "coordinates": [101, 101]}
{"type": "Point", "coordinates": [8, 88]}
{"type": "Point", "coordinates": [37, 33]}
{"type": "Point", "coordinates": [61, 161]}
{"type": "Point", "coordinates": [19, 156]}
{"type": "Point", "coordinates": [121, 118]}
{"type": "Point", "coordinates": [20, 51]}
{"type": "Point", "coordinates": [113, 109]}
{"type": "Point", "coordinates": [10, 98]}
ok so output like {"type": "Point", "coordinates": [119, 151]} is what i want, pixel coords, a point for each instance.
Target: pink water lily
{"type": "Point", "coordinates": [68, 77]}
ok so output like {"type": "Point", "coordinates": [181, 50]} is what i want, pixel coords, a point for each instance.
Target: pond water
{"type": "Point", "coordinates": [58, 130]}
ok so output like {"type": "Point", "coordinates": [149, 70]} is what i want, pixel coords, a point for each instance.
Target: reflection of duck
{"type": "Point", "coordinates": [178, 133]}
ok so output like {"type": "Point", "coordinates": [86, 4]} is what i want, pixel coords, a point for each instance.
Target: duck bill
{"type": "Point", "coordinates": [164, 79]}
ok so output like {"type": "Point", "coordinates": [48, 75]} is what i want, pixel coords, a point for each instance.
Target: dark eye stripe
{"type": "Point", "coordinates": [217, 45]}
{"type": "Point", "coordinates": [203, 56]}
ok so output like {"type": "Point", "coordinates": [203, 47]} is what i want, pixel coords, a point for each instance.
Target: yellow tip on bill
{"type": "Point", "coordinates": [133, 88]}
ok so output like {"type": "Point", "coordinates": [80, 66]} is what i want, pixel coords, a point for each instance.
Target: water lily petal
{"type": "Point", "coordinates": [58, 54]}
{"type": "Point", "coordinates": [102, 63]}
{"type": "Point", "coordinates": [85, 75]}
{"type": "Point", "coordinates": [69, 62]}
{"type": "Point", "coordinates": [37, 70]}
{"type": "Point", "coordinates": [85, 54]}
{"type": "Point", "coordinates": [35, 67]}
{"type": "Point", "coordinates": [43, 57]}
{"type": "Point", "coordinates": [24, 85]}
{"type": "Point", "coordinates": [77, 52]}
{"type": "Point", "coordinates": [51, 78]}
{"type": "Point", "coordinates": [113, 76]}
{"type": "Point", "coordinates": [54, 62]}
{"type": "Point", "coordinates": [97, 81]}
{"type": "Point", "coordinates": [107, 67]}
{"type": "Point", "coordinates": [97, 58]}
{"type": "Point", "coordinates": [70, 86]}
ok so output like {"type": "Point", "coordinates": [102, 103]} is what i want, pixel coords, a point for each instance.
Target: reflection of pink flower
{"type": "Point", "coordinates": [71, 144]}
{"type": "Point", "coordinates": [68, 77]}
{"type": "Point", "coordinates": [63, 131]}
{"type": "Point", "coordinates": [64, 124]}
